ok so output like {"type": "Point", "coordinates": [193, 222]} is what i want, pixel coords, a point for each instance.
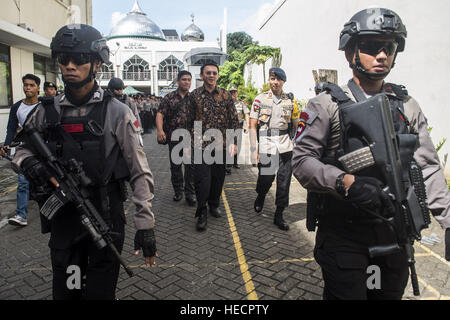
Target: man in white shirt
{"type": "Point", "coordinates": [17, 116]}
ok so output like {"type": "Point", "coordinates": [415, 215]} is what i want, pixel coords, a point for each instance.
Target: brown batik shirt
{"type": "Point", "coordinates": [174, 109]}
{"type": "Point", "coordinates": [215, 110]}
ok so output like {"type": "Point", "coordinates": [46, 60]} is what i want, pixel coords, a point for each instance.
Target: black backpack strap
{"type": "Point", "coordinates": [337, 94]}
{"type": "Point", "coordinates": [53, 118]}
{"type": "Point", "coordinates": [400, 91]}
{"type": "Point", "coordinates": [342, 99]}
{"type": "Point", "coordinates": [356, 91]}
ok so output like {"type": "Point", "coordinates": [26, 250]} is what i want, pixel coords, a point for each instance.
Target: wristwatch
{"type": "Point", "coordinates": [340, 186]}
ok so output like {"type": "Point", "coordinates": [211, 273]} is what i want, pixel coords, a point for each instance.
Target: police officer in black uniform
{"type": "Point", "coordinates": [116, 87]}
{"type": "Point", "coordinates": [342, 205]}
{"type": "Point", "coordinates": [85, 123]}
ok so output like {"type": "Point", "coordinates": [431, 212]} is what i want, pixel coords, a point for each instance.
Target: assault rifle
{"type": "Point", "coordinates": [73, 184]}
{"type": "Point", "coordinates": [372, 145]}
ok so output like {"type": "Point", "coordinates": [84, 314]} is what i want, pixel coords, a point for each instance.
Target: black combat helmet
{"type": "Point", "coordinates": [80, 38]}
{"type": "Point", "coordinates": [371, 22]}
{"type": "Point", "coordinates": [374, 21]}
{"type": "Point", "coordinates": [116, 84]}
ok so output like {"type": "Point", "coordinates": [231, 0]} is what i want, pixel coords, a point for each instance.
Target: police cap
{"type": "Point", "coordinates": [279, 73]}
{"type": "Point", "coordinates": [48, 84]}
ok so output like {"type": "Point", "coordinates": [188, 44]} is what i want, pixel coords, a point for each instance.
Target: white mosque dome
{"type": "Point", "coordinates": [193, 33]}
{"type": "Point", "coordinates": [136, 24]}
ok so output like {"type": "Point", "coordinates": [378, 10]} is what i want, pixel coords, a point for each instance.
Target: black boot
{"type": "Point", "coordinates": [279, 221]}
{"type": "Point", "coordinates": [259, 203]}
{"type": "Point", "coordinates": [215, 212]}
{"type": "Point", "coordinates": [202, 221]}
{"type": "Point", "coordinates": [178, 196]}
{"type": "Point", "coordinates": [190, 199]}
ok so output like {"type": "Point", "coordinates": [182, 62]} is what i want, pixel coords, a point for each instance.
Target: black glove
{"type": "Point", "coordinates": [36, 172]}
{"type": "Point", "coordinates": [367, 192]}
{"type": "Point", "coordinates": [447, 244]}
{"type": "Point", "coordinates": [145, 239]}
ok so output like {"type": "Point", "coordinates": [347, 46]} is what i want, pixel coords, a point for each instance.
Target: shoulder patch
{"type": "Point", "coordinates": [256, 105]}
{"type": "Point", "coordinates": [307, 117]}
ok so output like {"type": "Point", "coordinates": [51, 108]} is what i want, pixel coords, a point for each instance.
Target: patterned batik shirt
{"type": "Point", "coordinates": [174, 109]}
{"type": "Point", "coordinates": [215, 110]}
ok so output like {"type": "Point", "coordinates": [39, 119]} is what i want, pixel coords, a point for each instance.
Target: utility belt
{"type": "Point", "coordinates": [115, 188]}
{"type": "Point", "coordinates": [324, 209]}
{"type": "Point", "coordinates": [273, 132]}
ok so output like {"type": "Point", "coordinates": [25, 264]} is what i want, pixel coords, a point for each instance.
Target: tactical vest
{"type": "Point", "coordinates": [82, 138]}
{"type": "Point", "coordinates": [327, 207]}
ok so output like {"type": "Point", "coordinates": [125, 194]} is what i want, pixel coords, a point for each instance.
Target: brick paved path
{"type": "Point", "coordinates": [242, 255]}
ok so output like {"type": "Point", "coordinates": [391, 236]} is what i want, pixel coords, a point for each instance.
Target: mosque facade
{"type": "Point", "coordinates": [149, 58]}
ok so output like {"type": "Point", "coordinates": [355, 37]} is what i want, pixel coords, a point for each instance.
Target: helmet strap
{"type": "Point", "coordinates": [84, 100]}
{"type": "Point", "coordinates": [77, 85]}
{"type": "Point", "coordinates": [360, 69]}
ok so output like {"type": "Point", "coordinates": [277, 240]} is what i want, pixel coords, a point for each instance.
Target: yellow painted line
{"type": "Point", "coordinates": [418, 255]}
{"type": "Point", "coordinates": [249, 286]}
{"type": "Point", "coordinates": [426, 286]}
{"type": "Point", "coordinates": [234, 189]}
{"type": "Point", "coordinates": [251, 182]}
{"type": "Point", "coordinates": [9, 190]}
{"type": "Point", "coordinates": [429, 251]}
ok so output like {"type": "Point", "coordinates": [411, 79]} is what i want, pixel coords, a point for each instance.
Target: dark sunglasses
{"type": "Point", "coordinates": [375, 47]}
{"type": "Point", "coordinates": [77, 58]}
{"type": "Point", "coordinates": [211, 73]}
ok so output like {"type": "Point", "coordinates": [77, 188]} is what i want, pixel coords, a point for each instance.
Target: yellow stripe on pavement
{"type": "Point", "coordinates": [246, 276]}
{"type": "Point", "coordinates": [9, 190]}
{"type": "Point", "coordinates": [429, 251]}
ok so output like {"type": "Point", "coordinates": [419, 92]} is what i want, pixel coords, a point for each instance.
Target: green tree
{"type": "Point", "coordinates": [232, 71]}
{"type": "Point", "coordinates": [238, 41]}
{"type": "Point", "coordinates": [261, 54]}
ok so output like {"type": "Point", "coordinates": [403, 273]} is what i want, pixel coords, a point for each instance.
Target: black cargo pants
{"type": "Point", "coordinates": [349, 273]}
{"type": "Point", "coordinates": [99, 269]}
{"type": "Point", "coordinates": [208, 181]}
{"type": "Point", "coordinates": [266, 176]}
{"type": "Point", "coordinates": [181, 182]}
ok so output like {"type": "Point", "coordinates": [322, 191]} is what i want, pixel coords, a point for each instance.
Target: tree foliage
{"type": "Point", "coordinates": [242, 50]}
{"type": "Point", "coordinates": [261, 54]}
{"type": "Point", "coordinates": [238, 41]}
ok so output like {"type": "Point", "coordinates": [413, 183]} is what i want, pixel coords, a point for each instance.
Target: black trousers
{"type": "Point", "coordinates": [181, 182]}
{"type": "Point", "coordinates": [99, 269]}
{"type": "Point", "coordinates": [208, 181]}
{"type": "Point", "coordinates": [347, 270]}
{"type": "Point", "coordinates": [266, 176]}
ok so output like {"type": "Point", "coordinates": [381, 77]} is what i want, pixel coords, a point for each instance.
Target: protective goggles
{"type": "Point", "coordinates": [77, 58]}
{"type": "Point", "coordinates": [374, 47]}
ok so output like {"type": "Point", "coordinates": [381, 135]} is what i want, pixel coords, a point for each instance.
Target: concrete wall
{"type": "Point", "coordinates": [308, 33]}
{"type": "Point", "coordinates": [45, 17]}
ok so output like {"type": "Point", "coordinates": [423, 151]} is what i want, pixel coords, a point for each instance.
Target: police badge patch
{"type": "Point", "coordinates": [256, 105]}
{"type": "Point", "coordinates": [306, 118]}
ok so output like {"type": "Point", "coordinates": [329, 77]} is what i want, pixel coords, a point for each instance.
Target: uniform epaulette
{"type": "Point", "coordinates": [399, 90]}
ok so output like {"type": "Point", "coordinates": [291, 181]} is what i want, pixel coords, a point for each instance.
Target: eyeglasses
{"type": "Point", "coordinates": [211, 73]}
{"type": "Point", "coordinates": [77, 58]}
{"type": "Point", "coordinates": [375, 47]}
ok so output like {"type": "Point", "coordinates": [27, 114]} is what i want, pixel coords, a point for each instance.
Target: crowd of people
{"type": "Point", "coordinates": [204, 127]}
